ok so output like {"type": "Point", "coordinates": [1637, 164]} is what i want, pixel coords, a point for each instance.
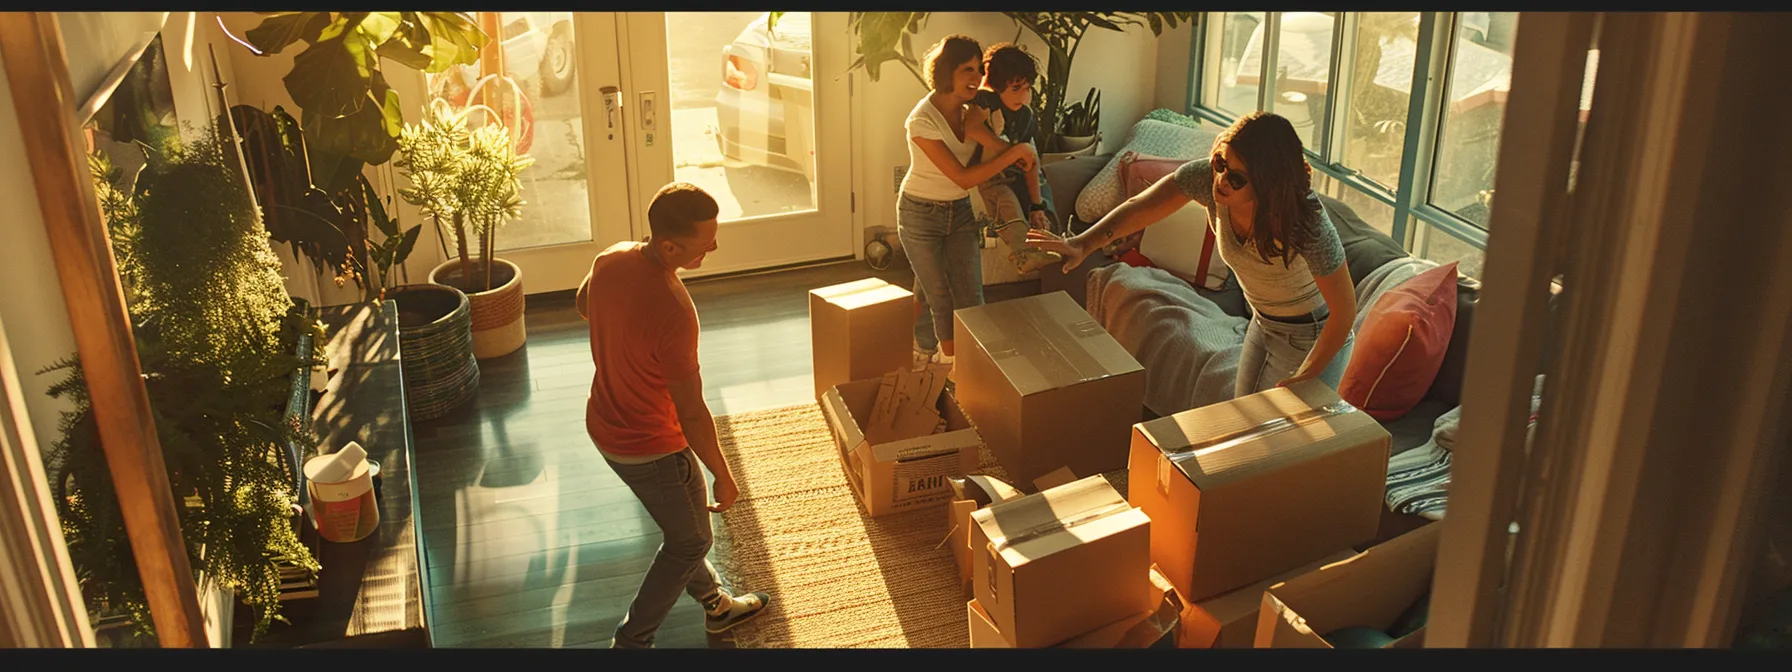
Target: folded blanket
{"type": "Point", "coordinates": [1189, 346]}
{"type": "Point", "coordinates": [1419, 479]}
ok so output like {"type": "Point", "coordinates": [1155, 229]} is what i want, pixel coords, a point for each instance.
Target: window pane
{"type": "Point", "coordinates": [1234, 39]}
{"type": "Point", "coordinates": [1303, 72]}
{"type": "Point", "coordinates": [742, 109]}
{"type": "Point", "coordinates": [1468, 146]}
{"type": "Point", "coordinates": [1374, 212]}
{"type": "Point", "coordinates": [1381, 75]}
{"type": "Point", "coordinates": [1439, 246]}
{"type": "Point", "coordinates": [538, 54]}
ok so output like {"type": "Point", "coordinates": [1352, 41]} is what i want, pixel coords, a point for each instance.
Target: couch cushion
{"type": "Point", "coordinates": [1447, 386]}
{"type": "Point", "coordinates": [1067, 177]}
{"type": "Point", "coordinates": [1150, 136]}
{"type": "Point", "coordinates": [1400, 345]}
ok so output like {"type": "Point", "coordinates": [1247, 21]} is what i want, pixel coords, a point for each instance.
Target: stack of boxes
{"type": "Point", "coordinates": [1240, 518]}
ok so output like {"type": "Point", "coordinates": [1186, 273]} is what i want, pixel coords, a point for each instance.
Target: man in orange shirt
{"type": "Point", "coordinates": [646, 411]}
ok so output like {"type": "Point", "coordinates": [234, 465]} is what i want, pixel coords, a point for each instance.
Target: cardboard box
{"type": "Point", "coordinates": [1046, 386]}
{"type": "Point", "coordinates": [1229, 621]}
{"type": "Point", "coordinates": [859, 330]}
{"type": "Point", "coordinates": [1155, 628]}
{"type": "Point", "coordinates": [1243, 490]}
{"type": "Point", "coordinates": [1062, 562]}
{"type": "Point", "coordinates": [970, 494]}
{"type": "Point", "coordinates": [1370, 590]}
{"type": "Point", "coordinates": [900, 475]}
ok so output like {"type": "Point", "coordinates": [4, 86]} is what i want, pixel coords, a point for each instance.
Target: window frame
{"type": "Point", "coordinates": [1410, 197]}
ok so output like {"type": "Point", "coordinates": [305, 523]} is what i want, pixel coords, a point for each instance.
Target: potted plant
{"type": "Point", "coordinates": [1079, 128]}
{"type": "Point", "coordinates": [222, 347]}
{"type": "Point", "coordinates": [472, 182]}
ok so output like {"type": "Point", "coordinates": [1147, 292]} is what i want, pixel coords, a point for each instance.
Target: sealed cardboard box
{"type": "Point", "coordinates": [1047, 387]}
{"type": "Point", "coordinates": [1061, 562]}
{"type": "Point", "coordinates": [859, 330]}
{"type": "Point", "coordinates": [893, 471]}
{"type": "Point", "coordinates": [1381, 591]}
{"type": "Point", "coordinates": [1155, 628]}
{"type": "Point", "coordinates": [1243, 490]}
{"type": "Point", "coordinates": [1229, 621]}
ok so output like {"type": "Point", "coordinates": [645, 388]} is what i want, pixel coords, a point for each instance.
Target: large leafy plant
{"type": "Point", "coordinates": [331, 228]}
{"type": "Point", "coordinates": [881, 37]}
{"type": "Point", "coordinates": [351, 115]}
{"type": "Point", "coordinates": [217, 338]}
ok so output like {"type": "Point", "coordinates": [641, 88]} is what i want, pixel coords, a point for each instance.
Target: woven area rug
{"type": "Point", "coordinates": [837, 578]}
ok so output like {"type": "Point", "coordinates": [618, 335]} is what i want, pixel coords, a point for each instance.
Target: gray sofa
{"type": "Point", "coordinates": [1365, 248]}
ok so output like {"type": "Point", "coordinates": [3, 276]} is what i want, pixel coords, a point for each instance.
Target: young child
{"type": "Point", "coordinates": [999, 116]}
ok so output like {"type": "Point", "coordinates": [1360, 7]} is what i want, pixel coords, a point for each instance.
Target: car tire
{"type": "Point", "coordinates": [558, 61]}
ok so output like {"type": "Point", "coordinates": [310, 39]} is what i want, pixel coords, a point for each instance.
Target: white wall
{"type": "Point", "coordinates": [1123, 65]}
{"type": "Point", "coordinates": [1172, 67]}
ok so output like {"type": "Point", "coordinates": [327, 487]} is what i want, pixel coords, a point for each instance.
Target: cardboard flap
{"type": "Point", "coordinates": [1221, 443]}
{"type": "Point", "coordinates": [1371, 589]}
{"type": "Point", "coordinates": [861, 293]}
{"type": "Point", "coordinates": [1046, 522]}
{"type": "Point", "coordinates": [1046, 342]}
{"type": "Point", "coordinates": [983, 489]}
{"type": "Point", "coordinates": [835, 406]}
{"type": "Point", "coordinates": [1061, 476]}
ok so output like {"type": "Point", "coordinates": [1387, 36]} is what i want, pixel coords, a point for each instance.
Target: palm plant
{"type": "Point", "coordinates": [472, 180]}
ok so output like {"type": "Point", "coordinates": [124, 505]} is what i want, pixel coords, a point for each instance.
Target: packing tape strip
{"type": "Point", "coordinates": [1052, 348]}
{"type": "Point", "coordinates": [999, 544]}
{"type": "Point", "coordinates": [1260, 430]}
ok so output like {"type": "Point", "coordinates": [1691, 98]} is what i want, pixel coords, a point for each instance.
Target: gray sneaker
{"type": "Point", "coordinates": [745, 608]}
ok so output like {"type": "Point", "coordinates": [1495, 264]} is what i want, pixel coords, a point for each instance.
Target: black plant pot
{"type": "Point", "coordinates": [435, 336]}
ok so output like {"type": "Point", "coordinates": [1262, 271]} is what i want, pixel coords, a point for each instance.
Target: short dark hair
{"type": "Point", "coordinates": [951, 52]}
{"type": "Point", "coordinates": [676, 209]}
{"type": "Point", "coordinates": [1008, 63]}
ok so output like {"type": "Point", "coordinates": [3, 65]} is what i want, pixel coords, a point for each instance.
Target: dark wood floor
{"type": "Point", "coordinates": [533, 541]}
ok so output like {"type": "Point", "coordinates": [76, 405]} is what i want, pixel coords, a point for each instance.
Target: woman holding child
{"type": "Point", "coordinates": [933, 215]}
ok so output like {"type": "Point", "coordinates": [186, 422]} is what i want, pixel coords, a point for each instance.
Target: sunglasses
{"type": "Point", "coordinates": [1234, 179]}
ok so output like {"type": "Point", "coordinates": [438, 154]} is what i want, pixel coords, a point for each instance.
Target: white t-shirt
{"type": "Point", "coordinates": [924, 179]}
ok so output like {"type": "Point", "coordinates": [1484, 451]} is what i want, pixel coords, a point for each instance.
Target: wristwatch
{"type": "Point", "coordinates": [1036, 207]}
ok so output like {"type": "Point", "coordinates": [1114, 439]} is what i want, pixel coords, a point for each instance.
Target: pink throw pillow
{"type": "Point", "coordinates": [1401, 345]}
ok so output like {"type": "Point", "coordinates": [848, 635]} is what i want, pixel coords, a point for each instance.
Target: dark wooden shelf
{"type": "Point", "coordinates": [371, 592]}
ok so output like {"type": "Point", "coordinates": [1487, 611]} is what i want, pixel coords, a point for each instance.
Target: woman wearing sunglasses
{"type": "Point", "coordinates": [1272, 233]}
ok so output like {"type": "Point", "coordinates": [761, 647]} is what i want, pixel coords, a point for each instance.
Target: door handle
{"type": "Point", "coordinates": [612, 103]}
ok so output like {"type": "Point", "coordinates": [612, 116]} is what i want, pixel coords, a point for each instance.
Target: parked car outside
{"type": "Point", "coordinates": [765, 75]}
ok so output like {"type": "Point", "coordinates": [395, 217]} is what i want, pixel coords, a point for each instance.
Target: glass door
{"type": "Point", "coordinates": [556, 67]}
{"type": "Point", "coordinates": [753, 109]}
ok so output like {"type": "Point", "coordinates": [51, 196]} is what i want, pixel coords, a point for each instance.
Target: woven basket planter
{"type": "Point", "coordinates": [497, 312]}
{"type": "Point", "coordinates": [435, 337]}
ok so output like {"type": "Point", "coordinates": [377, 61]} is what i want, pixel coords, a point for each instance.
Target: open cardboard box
{"type": "Point", "coordinates": [859, 330]}
{"type": "Point", "coordinates": [1047, 387]}
{"type": "Point", "coordinates": [1229, 621]}
{"type": "Point", "coordinates": [1061, 562]}
{"type": "Point", "coordinates": [1157, 627]}
{"type": "Point", "coordinates": [904, 474]}
{"type": "Point", "coordinates": [1372, 589]}
{"type": "Point", "coordinates": [1246, 489]}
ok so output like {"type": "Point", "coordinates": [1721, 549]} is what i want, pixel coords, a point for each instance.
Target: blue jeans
{"type": "Point", "coordinates": [1274, 350]}
{"type": "Point", "coordinates": [945, 248]}
{"type": "Point", "coordinates": [676, 496]}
